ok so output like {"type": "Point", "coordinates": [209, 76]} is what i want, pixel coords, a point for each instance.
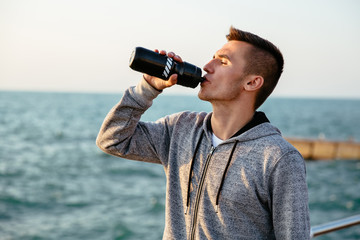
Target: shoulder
{"type": "Point", "coordinates": [288, 160]}
{"type": "Point", "coordinates": [275, 148]}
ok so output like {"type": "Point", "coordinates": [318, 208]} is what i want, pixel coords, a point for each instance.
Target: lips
{"type": "Point", "coordinates": [205, 78]}
{"type": "Point", "coordinates": [205, 81]}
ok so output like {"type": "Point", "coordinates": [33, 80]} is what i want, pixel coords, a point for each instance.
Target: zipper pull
{"type": "Point", "coordinates": [211, 151]}
{"type": "Point", "coordinates": [187, 210]}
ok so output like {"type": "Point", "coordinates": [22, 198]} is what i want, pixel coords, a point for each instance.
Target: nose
{"type": "Point", "coordinates": [208, 67]}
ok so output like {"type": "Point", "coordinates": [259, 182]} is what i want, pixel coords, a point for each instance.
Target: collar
{"type": "Point", "coordinates": [258, 118]}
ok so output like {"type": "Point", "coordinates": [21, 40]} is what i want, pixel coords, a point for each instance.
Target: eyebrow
{"type": "Point", "coordinates": [223, 56]}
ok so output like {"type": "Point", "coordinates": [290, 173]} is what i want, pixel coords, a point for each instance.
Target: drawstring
{"type": "Point", "coordinates": [190, 172]}
{"type": "Point", "coordinates": [223, 177]}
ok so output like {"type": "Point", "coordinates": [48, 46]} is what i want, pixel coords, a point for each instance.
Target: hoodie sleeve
{"type": "Point", "coordinates": [122, 133]}
{"type": "Point", "coordinates": [289, 198]}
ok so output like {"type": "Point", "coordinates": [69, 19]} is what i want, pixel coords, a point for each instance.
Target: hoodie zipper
{"type": "Point", "coordinates": [198, 195]}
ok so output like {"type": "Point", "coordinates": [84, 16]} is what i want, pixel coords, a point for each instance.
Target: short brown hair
{"type": "Point", "coordinates": [263, 59]}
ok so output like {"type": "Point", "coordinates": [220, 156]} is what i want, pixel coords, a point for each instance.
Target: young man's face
{"type": "Point", "coordinates": [225, 73]}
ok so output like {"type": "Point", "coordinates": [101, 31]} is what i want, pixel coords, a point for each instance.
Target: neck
{"type": "Point", "coordinates": [227, 118]}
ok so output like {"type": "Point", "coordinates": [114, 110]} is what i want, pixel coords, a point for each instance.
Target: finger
{"type": "Point", "coordinates": [163, 52]}
{"type": "Point", "coordinates": [171, 54]}
{"type": "Point", "coordinates": [174, 56]}
{"type": "Point", "coordinates": [177, 58]}
{"type": "Point", "coordinates": [156, 50]}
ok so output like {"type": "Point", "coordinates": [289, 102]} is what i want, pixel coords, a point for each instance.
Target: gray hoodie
{"type": "Point", "coordinates": [252, 186]}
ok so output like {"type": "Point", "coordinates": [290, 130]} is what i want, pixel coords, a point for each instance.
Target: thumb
{"type": "Point", "coordinates": [172, 80]}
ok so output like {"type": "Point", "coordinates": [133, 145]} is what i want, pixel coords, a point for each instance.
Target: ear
{"type": "Point", "coordinates": [253, 83]}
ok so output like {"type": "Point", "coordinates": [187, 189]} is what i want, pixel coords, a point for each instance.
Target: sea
{"type": "Point", "coordinates": [56, 184]}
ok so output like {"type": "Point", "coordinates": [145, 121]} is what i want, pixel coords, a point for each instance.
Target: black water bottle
{"type": "Point", "coordinates": [161, 66]}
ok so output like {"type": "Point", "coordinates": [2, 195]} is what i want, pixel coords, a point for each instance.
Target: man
{"type": "Point", "coordinates": [230, 174]}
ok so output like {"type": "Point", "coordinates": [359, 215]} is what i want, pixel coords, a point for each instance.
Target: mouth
{"type": "Point", "coordinates": [204, 79]}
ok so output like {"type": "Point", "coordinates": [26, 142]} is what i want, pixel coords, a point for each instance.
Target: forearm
{"type": "Point", "coordinates": [121, 130]}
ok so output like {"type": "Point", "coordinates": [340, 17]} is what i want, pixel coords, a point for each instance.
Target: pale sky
{"type": "Point", "coordinates": [85, 45]}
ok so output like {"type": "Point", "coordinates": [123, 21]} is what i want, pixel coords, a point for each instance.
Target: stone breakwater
{"type": "Point", "coordinates": [322, 149]}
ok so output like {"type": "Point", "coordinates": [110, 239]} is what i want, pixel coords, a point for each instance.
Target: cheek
{"type": "Point", "coordinates": [233, 77]}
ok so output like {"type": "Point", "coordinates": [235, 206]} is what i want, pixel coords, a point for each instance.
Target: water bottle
{"type": "Point", "coordinates": [157, 65]}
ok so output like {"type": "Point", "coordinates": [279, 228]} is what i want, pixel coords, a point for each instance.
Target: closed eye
{"type": "Point", "coordinates": [224, 59]}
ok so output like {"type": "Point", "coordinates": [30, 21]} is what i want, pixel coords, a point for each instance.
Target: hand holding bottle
{"type": "Point", "coordinates": [159, 83]}
{"type": "Point", "coordinates": [160, 66]}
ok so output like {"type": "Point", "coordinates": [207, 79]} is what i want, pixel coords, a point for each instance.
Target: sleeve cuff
{"type": "Point", "coordinates": [144, 92]}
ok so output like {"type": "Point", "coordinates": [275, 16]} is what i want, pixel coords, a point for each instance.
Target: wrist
{"type": "Point", "coordinates": [149, 82]}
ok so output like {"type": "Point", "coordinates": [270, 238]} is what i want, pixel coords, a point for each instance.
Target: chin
{"type": "Point", "coordinates": [203, 96]}
{"type": "Point", "coordinates": [200, 96]}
